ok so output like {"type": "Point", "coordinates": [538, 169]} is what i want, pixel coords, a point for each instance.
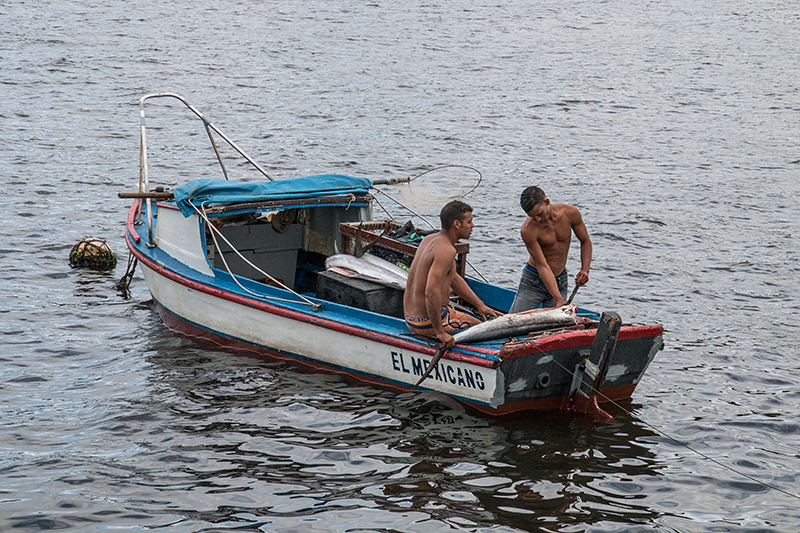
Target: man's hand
{"type": "Point", "coordinates": [485, 311]}
{"type": "Point", "coordinates": [582, 278]}
{"type": "Point", "coordinates": [447, 340]}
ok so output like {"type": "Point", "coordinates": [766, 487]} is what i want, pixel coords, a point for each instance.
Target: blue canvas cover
{"type": "Point", "coordinates": [218, 191]}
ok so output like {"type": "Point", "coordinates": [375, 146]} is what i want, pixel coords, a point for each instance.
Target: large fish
{"type": "Point", "coordinates": [519, 323]}
{"type": "Point", "coordinates": [509, 325]}
{"type": "Point", "coordinates": [368, 267]}
{"type": "Point", "coordinates": [383, 263]}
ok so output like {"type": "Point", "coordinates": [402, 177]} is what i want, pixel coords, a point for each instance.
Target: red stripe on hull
{"type": "Point", "coordinates": [131, 220]}
{"type": "Point", "coordinates": [577, 339]}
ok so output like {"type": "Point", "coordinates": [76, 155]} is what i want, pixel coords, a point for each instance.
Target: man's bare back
{"type": "Point", "coordinates": [433, 248]}
{"type": "Point", "coordinates": [433, 275]}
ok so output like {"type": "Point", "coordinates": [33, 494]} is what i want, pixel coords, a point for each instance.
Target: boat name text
{"type": "Point", "coordinates": [443, 371]}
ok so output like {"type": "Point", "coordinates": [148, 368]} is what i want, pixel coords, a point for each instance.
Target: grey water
{"type": "Point", "coordinates": [672, 125]}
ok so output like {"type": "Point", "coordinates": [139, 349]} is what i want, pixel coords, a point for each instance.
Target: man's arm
{"type": "Point", "coordinates": [579, 228]}
{"type": "Point", "coordinates": [443, 261]}
{"type": "Point", "coordinates": [463, 290]}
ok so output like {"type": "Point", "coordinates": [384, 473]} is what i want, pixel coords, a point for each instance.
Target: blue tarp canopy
{"type": "Point", "coordinates": [217, 191]}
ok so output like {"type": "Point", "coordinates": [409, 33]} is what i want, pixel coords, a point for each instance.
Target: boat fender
{"type": "Point", "coordinates": [543, 381]}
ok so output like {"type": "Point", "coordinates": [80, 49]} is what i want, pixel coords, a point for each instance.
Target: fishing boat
{"type": "Point", "coordinates": [243, 263]}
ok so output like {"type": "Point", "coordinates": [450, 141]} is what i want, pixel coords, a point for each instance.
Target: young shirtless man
{"type": "Point", "coordinates": [432, 276]}
{"type": "Point", "coordinates": [547, 233]}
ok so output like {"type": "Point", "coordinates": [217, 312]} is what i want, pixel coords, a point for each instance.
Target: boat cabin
{"type": "Point", "coordinates": [280, 234]}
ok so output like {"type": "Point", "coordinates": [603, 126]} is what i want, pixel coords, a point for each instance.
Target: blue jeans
{"type": "Point", "coordinates": [532, 292]}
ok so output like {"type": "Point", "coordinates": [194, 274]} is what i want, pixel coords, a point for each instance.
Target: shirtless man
{"type": "Point", "coordinates": [547, 233]}
{"type": "Point", "coordinates": [432, 276]}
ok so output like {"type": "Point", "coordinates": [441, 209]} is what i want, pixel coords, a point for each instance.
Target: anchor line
{"type": "Point", "coordinates": [676, 441]}
{"type": "Point", "coordinates": [124, 284]}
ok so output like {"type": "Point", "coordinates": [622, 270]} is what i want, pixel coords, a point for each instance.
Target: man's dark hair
{"type": "Point", "coordinates": [453, 211]}
{"type": "Point", "coordinates": [530, 197]}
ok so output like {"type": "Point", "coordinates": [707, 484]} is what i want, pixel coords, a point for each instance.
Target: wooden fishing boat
{"type": "Point", "coordinates": [243, 264]}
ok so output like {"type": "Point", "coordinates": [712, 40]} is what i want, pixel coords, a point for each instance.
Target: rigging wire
{"type": "Point", "coordinates": [480, 177]}
{"type": "Point", "coordinates": [425, 220]}
{"type": "Point", "coordinates": [215, 232]}
{"type": "Point", "coordinates": [404, 206]}
{"type": "Point", "coordinates": [401, 204]}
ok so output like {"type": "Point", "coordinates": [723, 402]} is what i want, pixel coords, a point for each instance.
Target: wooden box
{"type": "Point", "coordinates": [378, 229]}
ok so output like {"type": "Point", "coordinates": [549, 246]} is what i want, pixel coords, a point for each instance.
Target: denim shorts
{"type": "Point", "coordinates": [532, 293]}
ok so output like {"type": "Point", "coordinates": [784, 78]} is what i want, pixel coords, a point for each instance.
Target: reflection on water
{"type": "Point", "coordinates": [280, 442]}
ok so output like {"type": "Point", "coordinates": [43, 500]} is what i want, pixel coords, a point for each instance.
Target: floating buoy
{"type": "Point", "coordinates": [92, 253]}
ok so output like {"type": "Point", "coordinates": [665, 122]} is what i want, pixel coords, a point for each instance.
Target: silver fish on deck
{"type": "Point", "coordinates": [519, 323]}
{"type": "Point", "coordinates": [368, 267]}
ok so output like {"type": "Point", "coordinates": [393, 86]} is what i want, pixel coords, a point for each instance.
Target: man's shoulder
{"type": "Point", "coordinates": [528, 225]}
{"type": "Point", "coordinates": [565, 207]}
{"type": "Point", "coordinates": [437, 242]}
{"type": "Point", "coordinates": [568, 211]}
{"type": "Point", "coordinates": [529, 230]}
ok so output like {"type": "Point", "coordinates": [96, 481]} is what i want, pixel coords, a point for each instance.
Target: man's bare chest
{"type": "Point", "coordinates": [550, 235]}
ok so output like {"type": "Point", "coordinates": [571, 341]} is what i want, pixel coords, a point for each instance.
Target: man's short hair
{"type": "Point", "coordinates": [453, 211]}
{"type": "Point", "coordinates": [531, 197]}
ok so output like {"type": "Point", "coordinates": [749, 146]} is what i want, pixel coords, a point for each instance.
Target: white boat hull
{"type": "Point", "coordinates": [338, 348]}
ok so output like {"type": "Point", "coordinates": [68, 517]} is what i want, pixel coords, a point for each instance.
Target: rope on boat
{"type": "Point", "coordinates": [477, 272]}
{"type": "Point", "coordinates": [676, 441]}
{"type": "Point", "coordinates": [215, 232]}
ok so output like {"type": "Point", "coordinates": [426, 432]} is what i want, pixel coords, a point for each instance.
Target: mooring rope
{"type": "Point", "coordinates": [215, 232]}
{"type": "Point", "coordinates": [124, 284]}
{"type": "Point", "coordinates": [676, 441]}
